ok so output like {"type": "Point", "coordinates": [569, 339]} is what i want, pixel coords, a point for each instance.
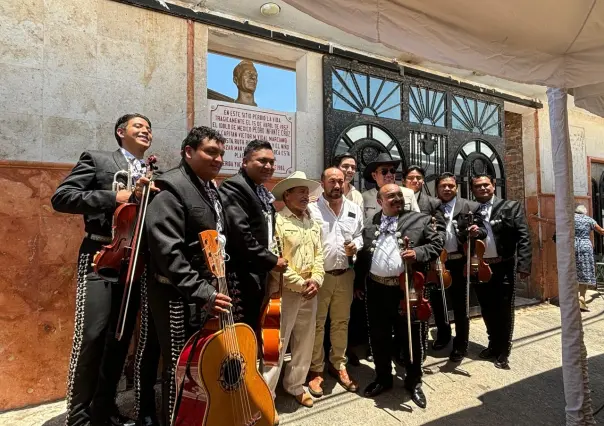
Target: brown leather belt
{"type": "Point", "coordinates": [494, 260]}
{"type": "Point", "coordinates": [336, 272]}
{"type": "Point", "coordinates": [389, 281]}
{"type": "Point", "coordinates": [98, 238]}
{"type": "Point", "coordinates": [161, 279]}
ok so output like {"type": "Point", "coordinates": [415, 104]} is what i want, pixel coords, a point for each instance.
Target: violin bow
{"type": "Point", "coordinates": [407, 302]}
{"type": "Point", "coordinates": [139, 228]}
{"type": "Point", "coordinates": [439, 265]}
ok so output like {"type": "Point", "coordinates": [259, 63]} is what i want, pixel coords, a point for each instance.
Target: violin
{"type": "Point", "coordinates": [120, 261]}
{"type": "Point", "coordinates": [476, 265]}
{"type": "Point", "coordinates": [415, 306]}
{"type": "Point", "coordinates": [271, 322]}
{"type": "Point", "coordinates": [438, 273]}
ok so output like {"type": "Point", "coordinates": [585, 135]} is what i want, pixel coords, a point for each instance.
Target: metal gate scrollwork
{"type": "Point", "coordinates": [436, 125]}
{"type": "Point", "coordinates": [366, 141]}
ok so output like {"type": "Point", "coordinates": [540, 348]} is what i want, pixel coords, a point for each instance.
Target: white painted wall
{"type": "Point", "coordinates": [529, 153]}
{"type": "Point", "coordinates": [309, 115]}
{"type": "Point", "coordinates": [587, 136]}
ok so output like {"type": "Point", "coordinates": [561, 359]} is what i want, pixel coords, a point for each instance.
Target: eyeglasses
{"type": "Point", "coordinates": [384, 172]}
{"type": "Point", "coordinates": [418, 178]}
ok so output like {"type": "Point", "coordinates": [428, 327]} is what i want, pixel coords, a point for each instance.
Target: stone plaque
{"type": "Point", "coordinates": [240, 124]}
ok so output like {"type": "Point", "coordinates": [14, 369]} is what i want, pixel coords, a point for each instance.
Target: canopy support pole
{"type": "Point", "coordinates": [574, 354]}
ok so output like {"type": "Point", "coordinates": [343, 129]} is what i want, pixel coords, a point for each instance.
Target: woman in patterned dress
{"type": "Point", "coordinates": [584, 254]}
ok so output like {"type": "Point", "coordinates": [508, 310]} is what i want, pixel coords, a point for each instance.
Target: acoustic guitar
{"type": "Point", "coordinates": [217, 369]}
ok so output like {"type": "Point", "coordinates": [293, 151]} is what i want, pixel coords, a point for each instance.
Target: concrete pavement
{"type": "Point", "coordinates": [474, 393]}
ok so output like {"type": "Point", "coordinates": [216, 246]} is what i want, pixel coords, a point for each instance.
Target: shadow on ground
{"type": "Point", "coordinates": [537, 400]}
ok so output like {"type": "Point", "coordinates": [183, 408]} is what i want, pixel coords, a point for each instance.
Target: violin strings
{"type": "Point", "coordinates": [243, 387]}
{"type": "Point", "coordinates": [224, 321]}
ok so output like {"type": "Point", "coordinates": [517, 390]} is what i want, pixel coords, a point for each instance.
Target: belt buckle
{"type": "Point", "coordinates": [97, 238]}
{"type": "Point", "coordinates": [161, 279]}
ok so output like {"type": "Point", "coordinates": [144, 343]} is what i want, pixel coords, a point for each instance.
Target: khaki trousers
{"type": "Point", "coordinates": [335, 298]}
{"type": "Point", "coordinates": [298, 317]}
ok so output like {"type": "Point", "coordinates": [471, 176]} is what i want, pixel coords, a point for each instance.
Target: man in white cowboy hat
{"type": "Point", "coordinates": [300, 238]}
{"type": "Point", "coordinates": [382, 171]}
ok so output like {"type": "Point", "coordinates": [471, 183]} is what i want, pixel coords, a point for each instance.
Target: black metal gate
{"type": "Point", "coordinates": [369, 110]}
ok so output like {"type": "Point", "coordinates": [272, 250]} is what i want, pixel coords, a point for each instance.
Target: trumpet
{"type": "Point", "coordinates": [117, 185]}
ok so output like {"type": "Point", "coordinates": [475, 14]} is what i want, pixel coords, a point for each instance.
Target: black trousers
{"type": "Point", "coordinates": [175, 322]}
{"type": "Point", "coordinates": [457, 293]}
{"type": "Point", "coordinates": [496, 300]}
{"type": "Point", "coordinates": [97, 357]}
{"type": "Point", "coordinates": [358, 333]}
{"type": "Point", "coordinates": [383, 310]}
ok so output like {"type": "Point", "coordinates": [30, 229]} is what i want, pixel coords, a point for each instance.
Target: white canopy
{"type": "Point", "coordinates": [555, 43]}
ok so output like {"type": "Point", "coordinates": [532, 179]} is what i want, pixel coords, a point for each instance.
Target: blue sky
{"type": "Point", "coordinates": [276, 87]}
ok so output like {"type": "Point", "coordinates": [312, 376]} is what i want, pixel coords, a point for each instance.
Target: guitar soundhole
{"type": "Point", "coordinates": [232, 371]}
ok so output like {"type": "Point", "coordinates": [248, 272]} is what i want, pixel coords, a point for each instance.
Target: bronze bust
{"type": "Point", "coordinates": [245, 78]}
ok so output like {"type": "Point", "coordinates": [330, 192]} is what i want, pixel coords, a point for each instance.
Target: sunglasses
{"type": "Point", "coordinates": [384, 172]}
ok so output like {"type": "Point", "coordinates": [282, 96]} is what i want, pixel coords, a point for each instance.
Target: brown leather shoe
{"type": "Point", "coordinates": [304, 399]}
{"type": "Point", "coordinates": [314, 384]}
{"type": "Point", "coordinates": [343, 378]}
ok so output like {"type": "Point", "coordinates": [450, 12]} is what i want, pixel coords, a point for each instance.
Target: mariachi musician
{"type": "Point", "coordinates": [456, 211]}
{"type": "Point", "coordinates": [414, 178]}
{"type": "Point", "coordinates": [97, 357]}
{"type": "Point", "coordinates": [251, 217]}
{"type": "Point", "coordinates": [182, 289]}
{"type": "Point", "coordinates": [508, 252]}
{"type": "Point", "coordinates": [382, 260]}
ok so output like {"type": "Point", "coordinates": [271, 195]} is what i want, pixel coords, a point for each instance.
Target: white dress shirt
{"type": "Point", "coordinates": [387, 260]}
{"type": "Point", "coordinates": [491, 246]}
{"type": "Point", "coordinates": [451, 242]}
{"type": "Point", "coordinates": [336, 229]}
{"type": "Point", "coordinates": [139, 168]}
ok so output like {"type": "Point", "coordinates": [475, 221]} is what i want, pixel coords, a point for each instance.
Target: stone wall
{"type": "Point", "coordinates": [68, 71]}
{"type": "Point", "coordinates": [513, 157]}
{"type": "Point", "coordinates": [514, 173]}
{"type": "Point", "coordinates": [38, 255]}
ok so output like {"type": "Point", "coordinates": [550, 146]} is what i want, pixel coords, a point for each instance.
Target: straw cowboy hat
{"type": "Point", "coordinates": [383, 159]}
{"type": "Point", "coordinates": [292, 181]}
